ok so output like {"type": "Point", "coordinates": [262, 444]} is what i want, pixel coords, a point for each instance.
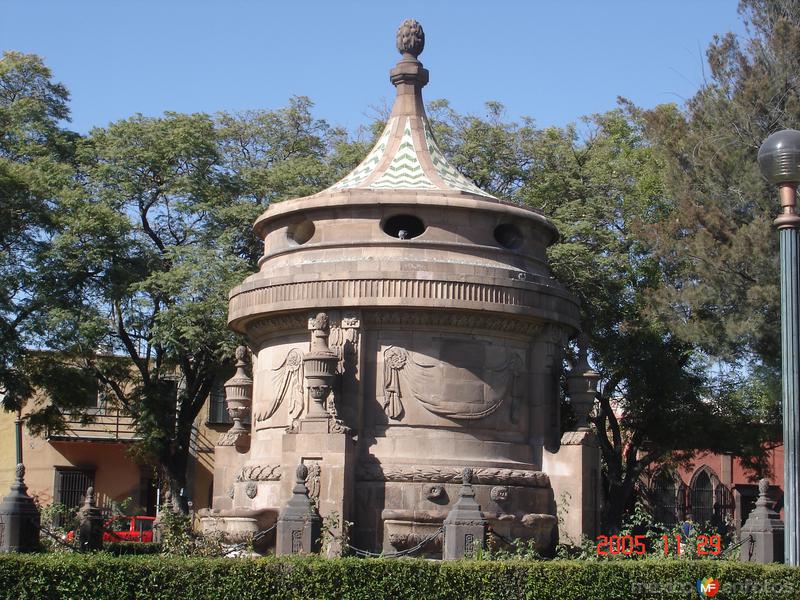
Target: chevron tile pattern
{"type": "Point", "coordinates": [370, 163]}
{"type": "Point", "coordinates": [405, 170]}
{"type": "Point", "coordinates": [452, 178]}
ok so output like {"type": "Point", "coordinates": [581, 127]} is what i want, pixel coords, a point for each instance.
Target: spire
{"type": "Point", "coordinates": [406, 156]}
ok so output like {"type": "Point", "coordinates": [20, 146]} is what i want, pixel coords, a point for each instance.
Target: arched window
{"type": "Point", "coordinates": [701, 498]}
{"type": "Point", "coordinates": [664, 498]}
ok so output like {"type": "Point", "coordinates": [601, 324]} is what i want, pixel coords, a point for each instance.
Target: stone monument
{"type": "Point", "coordinates": [403, 325]}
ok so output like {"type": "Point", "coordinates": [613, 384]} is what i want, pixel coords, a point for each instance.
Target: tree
{"type": "Point", "coordinates": [145, 256]}
{"type": "Point", "coordinates": [718, 249]}
{"type": "Point", "coordinates": [36, 167]}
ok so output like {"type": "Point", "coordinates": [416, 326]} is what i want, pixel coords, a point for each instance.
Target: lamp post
{"type": "Point", "coordinates": [779, 159]}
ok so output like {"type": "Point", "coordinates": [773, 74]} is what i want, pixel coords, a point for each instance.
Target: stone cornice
{"type": "Point", "coordinates": [531, 300]}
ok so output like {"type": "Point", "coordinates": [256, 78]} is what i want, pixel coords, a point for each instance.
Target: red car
{"type": "Point", "coordinates": [125, 529]}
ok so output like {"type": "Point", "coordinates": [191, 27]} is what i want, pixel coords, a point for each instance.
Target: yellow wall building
{"type": "Point", "coordinates": [59, 467]}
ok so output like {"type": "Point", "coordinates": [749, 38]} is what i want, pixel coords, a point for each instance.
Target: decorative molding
{"type": "Point", "coordinates": [234, 438]}
{"type": "Point", "coordinates": [358, 290]}
{"type": "Point", "coordinates": [292, 322]}
{"type": "Point", "coordinates": [373, 471]}
{"type": "Point", "coordinates": [259, 473]}
{"type": "Point", "coordinates": [470, 321]}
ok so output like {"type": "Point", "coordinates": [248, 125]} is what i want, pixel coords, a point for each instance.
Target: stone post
{"type": "Point", "coordinates": [299, 524]}
{"type": "Point", "coordinates": [575, 469]}
{"type": "Point", "coordinates": [19, 518]}
{"type": "Point", "coordinates": [465, 526]}
{"type": "Point", "coordinates": [766, 529]}
{"type": "Point", "coordinates": [90, 530]}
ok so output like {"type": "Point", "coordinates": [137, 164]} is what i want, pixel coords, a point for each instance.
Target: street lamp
{"type": "Point", "coordinates": [779, 159]}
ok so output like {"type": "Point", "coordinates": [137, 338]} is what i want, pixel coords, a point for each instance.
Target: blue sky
{"type": "Point", "coordinates": [554, 61]}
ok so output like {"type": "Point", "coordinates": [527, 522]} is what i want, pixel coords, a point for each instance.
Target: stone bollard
{"type": "Point", "coordinates": [19, 518]}
{"type": "Point", "coordinates": [299, 524]}
{"type": "Point", "coordinates": [766, 529]}
{"type": "Point", "coordinates": [464, 527]}
{"type": "Point", "coordinates": [90, 529]}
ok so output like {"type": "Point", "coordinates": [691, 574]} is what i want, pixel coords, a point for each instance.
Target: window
{"type": "Point", "coordinates": [217, 406]}
{"type": "Point", "coordinates": [70, 488]}
{"type": "Point", "coordinates": [701, 498]}
{"type": "Point", "coordinates": [664, 499]}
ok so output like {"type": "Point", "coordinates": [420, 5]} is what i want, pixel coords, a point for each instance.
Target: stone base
{"type": "Point", "coordinates": [333, 457]}
{"type": "Point", "coordinates": [575, 476]}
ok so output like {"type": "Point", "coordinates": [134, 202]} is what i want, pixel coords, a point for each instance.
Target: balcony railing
{"type": "Point", "coordinates": [107, 425]}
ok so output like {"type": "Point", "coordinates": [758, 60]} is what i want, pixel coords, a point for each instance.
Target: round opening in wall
{"type": "Point", "coordinates": [301, 232]}
{"type": "Point", "coordinates": [508, 236]}
{"type": "Point", "coordinates": [403, 227]}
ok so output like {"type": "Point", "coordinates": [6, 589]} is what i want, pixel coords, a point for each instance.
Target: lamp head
{"type": "Point", "coordinates": [779, 157]}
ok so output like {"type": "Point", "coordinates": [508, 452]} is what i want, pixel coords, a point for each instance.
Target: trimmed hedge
{"type": "Point", "coordinates": [125, 548]}
{"type": "Point", "coordinates": [116, 578]}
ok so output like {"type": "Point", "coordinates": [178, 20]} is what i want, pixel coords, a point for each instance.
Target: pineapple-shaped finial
{"type": "Point", "coordinates": [410, 38]}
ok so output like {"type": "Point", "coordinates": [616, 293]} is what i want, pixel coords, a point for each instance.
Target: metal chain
{"type": "Point", "coordinates": [406, 552]}
{"type": "Point", "coordinates": [242, 545]}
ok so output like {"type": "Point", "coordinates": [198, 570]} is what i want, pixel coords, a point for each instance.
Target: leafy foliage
{"type": "Point", "coordinates": [117, 578]}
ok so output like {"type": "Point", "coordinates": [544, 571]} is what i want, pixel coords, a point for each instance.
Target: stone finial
{"type": "Point", "coordinates": [410, 38]}
{"type": "Point", "coordinates": [89, 495]}
{"type": "Point", "coordinates": [321, 322]}
{"type": "Point", "coordinates": [241, 354]}
{"type": "Point", "coordinates": [763, 487]}
{"type": "Point", "coordinates": [466, 475]}
{"type": "Point", "coordinates": [582, 385]}
{"type": "Point", "coordinates": [301, 473]}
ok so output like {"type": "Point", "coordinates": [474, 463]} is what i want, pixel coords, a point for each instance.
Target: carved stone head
{"type": "Point", "coordinates": [499, 493]}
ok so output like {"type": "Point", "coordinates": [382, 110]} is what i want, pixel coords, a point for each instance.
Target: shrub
{"type": "Point", "coordinates": [128, 577]}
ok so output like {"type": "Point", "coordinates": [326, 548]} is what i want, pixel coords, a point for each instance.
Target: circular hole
{"type": "Point", "coordinates": [403, 227]}
{"type": "Point", "coordinates": [300, 233]}
{"type": "Point", "coordinates": [508, 236]}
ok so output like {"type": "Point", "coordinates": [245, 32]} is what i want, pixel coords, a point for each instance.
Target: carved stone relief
{"type": "Point", "coordinates": [259, 473]}
{"type": "Point", "coordinates": [313, 480]}
{"type": "Point", "coordinates": [251, 489]}
{"type": "Point", "coordinates": [344, 342]}
{"type": "Point", "coordinates": [404, 541]}
{"type": "Point", "coordinates": [470, 381]}
{"type": "Point", "coordinates": [499, 493]}
{"type": "Point", "coordinates": [373, 471]}
{"type": "Point", "coordinates": [434, 492]}
{"type": "Point", "coordinates": [287, 384]}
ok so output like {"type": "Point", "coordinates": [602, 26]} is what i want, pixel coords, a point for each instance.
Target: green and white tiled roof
{"type": "Point", "coordinates": [396, 162]}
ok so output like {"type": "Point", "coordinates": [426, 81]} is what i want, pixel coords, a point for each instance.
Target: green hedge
{"type": "Point", "coordinates": [125, 548]}
{"type": "Point", "coordinates": [115, 578]}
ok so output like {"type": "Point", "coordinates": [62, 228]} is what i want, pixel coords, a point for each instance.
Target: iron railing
{"type": "Point", "coordinates": [106, 425]}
